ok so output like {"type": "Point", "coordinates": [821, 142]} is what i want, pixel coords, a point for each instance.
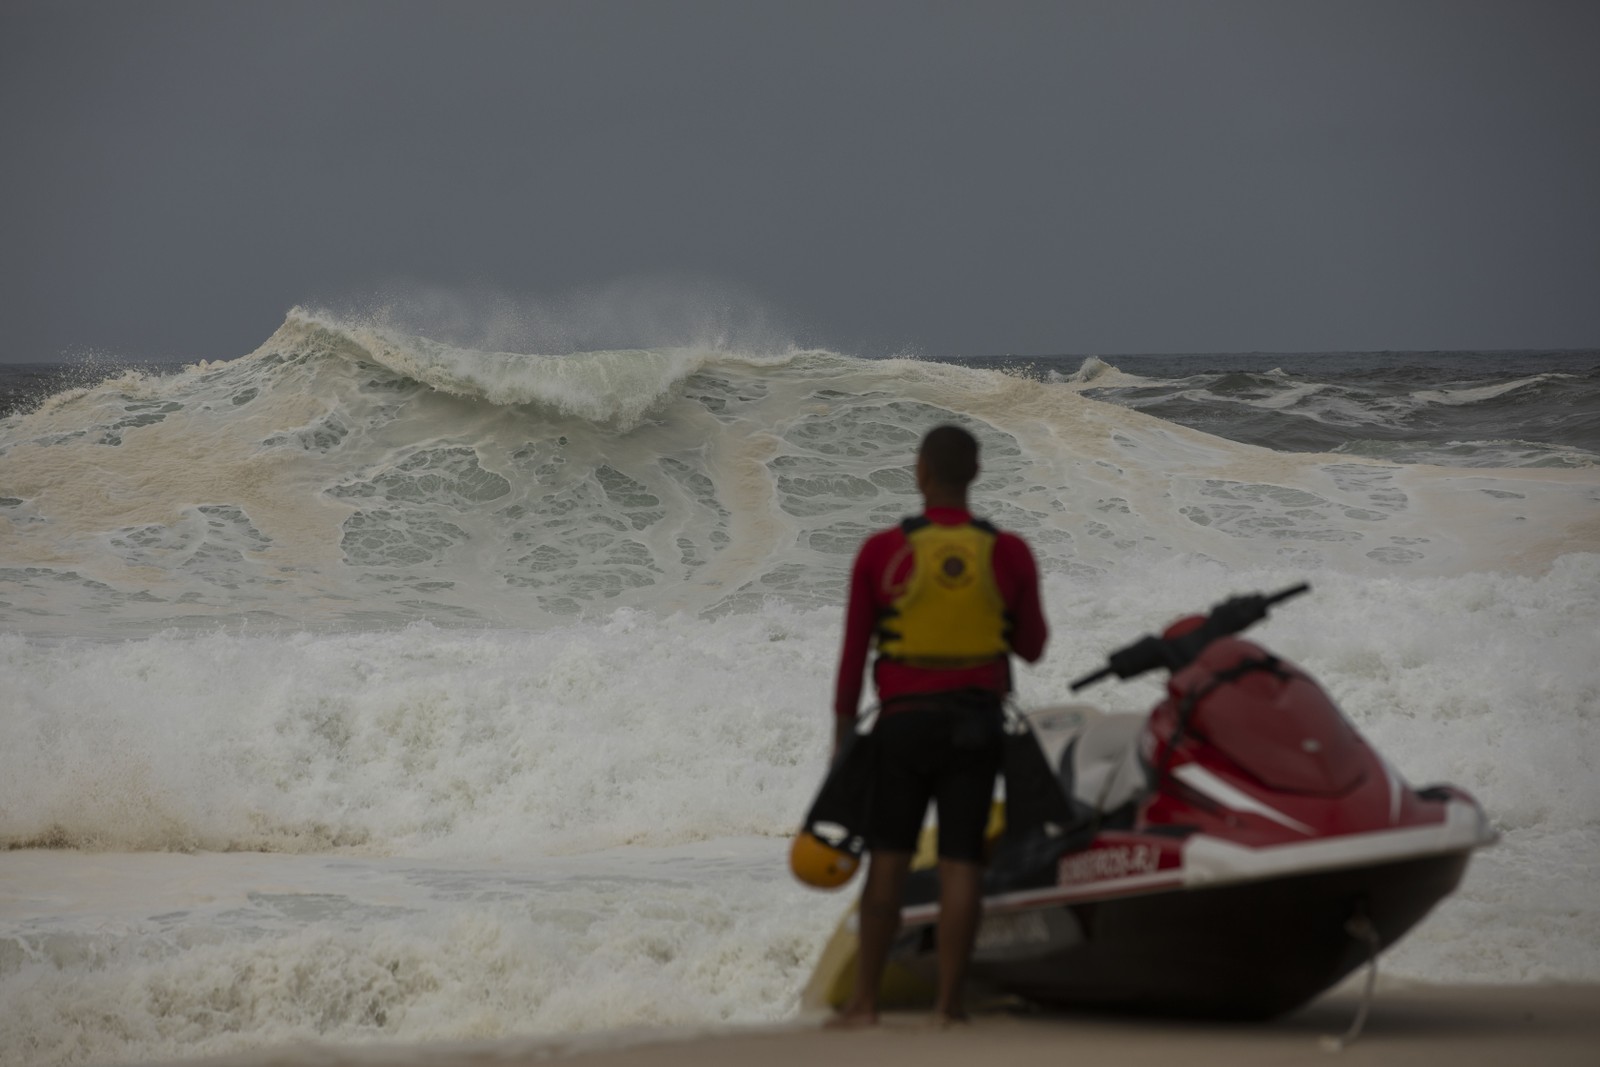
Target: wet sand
{"type": "Point", "coordinates": [1463, 1026]}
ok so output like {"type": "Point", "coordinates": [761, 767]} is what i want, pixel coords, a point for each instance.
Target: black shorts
{"type": "Point", "coordinates": [946, 748]}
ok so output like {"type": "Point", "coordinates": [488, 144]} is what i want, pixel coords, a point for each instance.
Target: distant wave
{"type": "Point", "coordinates": [1451, 410]}
{"type": "Point", "coordinates": [1479, 394]}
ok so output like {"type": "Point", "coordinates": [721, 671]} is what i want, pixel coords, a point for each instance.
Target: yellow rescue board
{"type": "Point", "coordinates": [834, 978]}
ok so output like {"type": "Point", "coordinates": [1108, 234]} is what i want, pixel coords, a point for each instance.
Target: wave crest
{"type": "Point", "coordinates": [618, 387]}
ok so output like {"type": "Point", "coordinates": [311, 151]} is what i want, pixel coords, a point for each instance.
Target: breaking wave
{"type": "Point", "coordinates": [348, 476]}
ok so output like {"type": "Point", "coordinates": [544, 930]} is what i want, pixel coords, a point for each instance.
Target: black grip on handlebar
{"type": "Point", "coordinates": [1229, 617]}
{"type": "Point", "coordinates": [1241, 612]}
{"type": "Point", "coordinates": [1284, 594]}
{"type": "Point", "coordinates": [1145, 654]}
{"type": "Point", "coordinates": [1090, 678]}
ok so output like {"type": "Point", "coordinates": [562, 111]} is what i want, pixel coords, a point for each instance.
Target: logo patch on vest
{"type": "Point", "coordinates": [954, 568]}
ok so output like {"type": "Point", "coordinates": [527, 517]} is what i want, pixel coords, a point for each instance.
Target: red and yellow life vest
{"type": "Point", "coordinates": [950, 612]}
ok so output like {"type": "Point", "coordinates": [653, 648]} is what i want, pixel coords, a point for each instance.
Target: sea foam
{"type": "Point", "coordinates": [364, 689]}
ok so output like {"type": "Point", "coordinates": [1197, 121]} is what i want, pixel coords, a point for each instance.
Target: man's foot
{"type": "Point", "coordinates": [852, 1018]}
{"type": "Point", "coordinates": [944, 1020]}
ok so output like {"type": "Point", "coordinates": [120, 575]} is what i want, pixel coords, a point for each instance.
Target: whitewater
{"type": "Point", "coordinates": [366, 689]}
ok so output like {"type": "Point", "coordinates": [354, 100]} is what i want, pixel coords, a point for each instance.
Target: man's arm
{"type": "Point", "coordinates": [859, 619]}
{"type": "Point", "coordinates": [1029, 633]}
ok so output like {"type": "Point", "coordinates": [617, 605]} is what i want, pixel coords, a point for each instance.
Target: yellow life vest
{"type": "Point", "coordinates": [951, 613]}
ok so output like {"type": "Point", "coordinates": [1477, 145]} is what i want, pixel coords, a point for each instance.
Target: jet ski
{"type": "Point", "coordinates": [1232, 854]}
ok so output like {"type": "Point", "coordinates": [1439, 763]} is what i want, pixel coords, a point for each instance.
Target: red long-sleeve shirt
{"type": "Point", "coordinates": [873, 589]}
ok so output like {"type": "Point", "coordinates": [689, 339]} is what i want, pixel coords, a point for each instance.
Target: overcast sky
{"type": "Point", "coordinates": [870, 176]}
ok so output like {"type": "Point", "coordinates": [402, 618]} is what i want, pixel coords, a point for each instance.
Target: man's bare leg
{"type": "Point", "coordinates": [960, 906]}
{"type": "Point", "coordinates": [878, 922]}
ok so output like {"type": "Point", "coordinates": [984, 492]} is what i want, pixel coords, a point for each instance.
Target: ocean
{"type": "Point", "coordinates": [366, 689]}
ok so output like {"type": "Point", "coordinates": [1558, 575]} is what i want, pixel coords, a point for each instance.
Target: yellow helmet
{"type": "Point", "coordinates": [817, 863]}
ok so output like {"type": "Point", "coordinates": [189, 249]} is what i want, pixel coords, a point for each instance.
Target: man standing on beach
{"type": "Point", "coordinates": [946, 598]}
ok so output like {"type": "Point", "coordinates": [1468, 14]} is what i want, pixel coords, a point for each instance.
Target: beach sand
{"type": "Point", "coordinates": [1463, 1026]}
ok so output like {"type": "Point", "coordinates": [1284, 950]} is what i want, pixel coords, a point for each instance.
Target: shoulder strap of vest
{"type": "Point", "coordinates": [913, 523]}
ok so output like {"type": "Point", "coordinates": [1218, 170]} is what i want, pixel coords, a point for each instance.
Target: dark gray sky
{"type": "Point", "coordinates": [945, 178]}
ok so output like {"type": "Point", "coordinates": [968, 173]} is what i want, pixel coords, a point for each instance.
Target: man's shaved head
{"type": "Point", "coordinates": [949, 457]}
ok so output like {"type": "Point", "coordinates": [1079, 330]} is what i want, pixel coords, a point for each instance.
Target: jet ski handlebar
{"type": "Point", "coordinates": [1174, 653]}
